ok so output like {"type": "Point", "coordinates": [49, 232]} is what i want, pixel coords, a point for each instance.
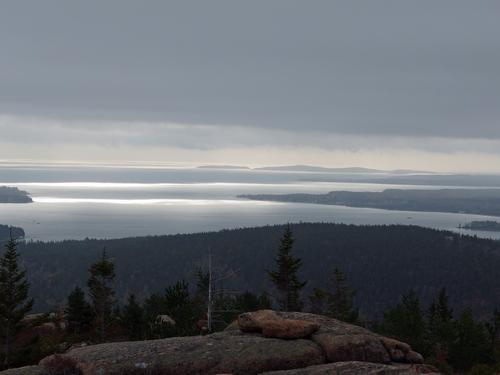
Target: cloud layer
{"type": "Point", "coordinates": [336, 76]}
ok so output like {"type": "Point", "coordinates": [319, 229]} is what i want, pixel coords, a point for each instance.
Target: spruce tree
{"type": "Point", "coordinates": [471, 345]}
{"type": "Point", "coordinates": [340, 301]}
{"type": "Point", "coordinates": [14, 301]}
{"type": "Point", "coordinates": [406, 322]}
{"type": "Point", "coordinates": [318, 301]}
{"type": "Point", "coordinates": [441, 323]}
{"type": "Point", "coordinates": [337, 302]}
{"type": "Point", "coordinates": [78, 312]}
{"type": "Point", "coordinates": [100, 283]}
{"type": "Point", "coordinates": [133, 319]}
{"type": "Point", "coordinates": [181, 308]}
{"type": "Point", "coordinates": [285, 277]}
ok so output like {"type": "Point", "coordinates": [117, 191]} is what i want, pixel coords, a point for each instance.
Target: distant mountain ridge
{"type": "Point", "coordinates": [222, 167]}
{"type": "Point", "coordinates": [312, 168]}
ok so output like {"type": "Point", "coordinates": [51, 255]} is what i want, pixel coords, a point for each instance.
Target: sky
{"type": "Point", "coordinates": [383, 84]}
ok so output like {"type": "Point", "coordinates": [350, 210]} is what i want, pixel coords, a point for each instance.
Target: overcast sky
{"type": "Point", "coordinates": [386, 84]}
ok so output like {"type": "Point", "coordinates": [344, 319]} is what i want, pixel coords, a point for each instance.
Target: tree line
{"type": "Point", "coordinates": [451, 342]}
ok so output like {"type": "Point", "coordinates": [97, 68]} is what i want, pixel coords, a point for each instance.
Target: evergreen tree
{"type": "Point", "coordinates": [14, 301]}
{"type": "Point", "coordinates": [155, 306]}
{"type": "Point", "coordinates": [133, 319]}
{"type": "Point", "coordinates": [248, 301]}
{"type": "Point", "coordinates": [100, 283]}
{"type": "Point", "coordinates": [78, 312]}
{"type": "Point", "coordinates": [336, 302]}
{"type": "Point", "coordinates": [441, 328]}
{"type": "Point", "coordinates": [318, 301]}
{"type": "Point", "coordinates": [181, 308]}
{"type": "Point", "coordinates": [285, 278]}
{"type": "Point", "coordinates": [340, 302]}
{"type": "Point", "coordinates": [471, 345]}
{"type": "Point", "coordinates": [494, 332]}
{"type": "Point", "coordinates": [406, 322]}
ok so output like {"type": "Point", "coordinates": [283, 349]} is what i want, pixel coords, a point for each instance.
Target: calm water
{"type": "Point", "coordinates": [113, 202]}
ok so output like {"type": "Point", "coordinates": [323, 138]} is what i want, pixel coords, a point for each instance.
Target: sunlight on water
{"type": "Point", "coordinates": [179, 202]}
{"type": "Point", "coordinates": [121, 185]}
{"type": "Point", "coordinates": [112, 203]}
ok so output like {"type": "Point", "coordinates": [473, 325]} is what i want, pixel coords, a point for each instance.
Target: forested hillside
{"type": "Point", "coordinates": [473, 201]}
{"type": "Point", "coordinates": [13, 195]}
{"type": "Point", "coordinates": [381, 262]}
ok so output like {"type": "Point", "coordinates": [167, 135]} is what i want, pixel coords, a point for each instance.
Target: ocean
{"type": "Point", "coordinates": [115, 201]}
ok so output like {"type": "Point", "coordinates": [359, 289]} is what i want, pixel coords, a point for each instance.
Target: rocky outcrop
{"type": "Point", "coordinates": [341, 348]}
{"type": "Point", "coordinates": [359, 368]}
{"type": "Point", "coordinates": [28, 370]}
{"type": "Point", "coordinates": [264, 341]}
{"type": "Point", "coordinates": [272, 325]}
{"type": "Point", "coordinates": [230, 352]}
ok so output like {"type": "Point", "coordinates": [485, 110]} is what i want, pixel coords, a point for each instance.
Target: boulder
{"type": "Point", "coordinates": [290, 329]}
{"type": "Point", "coordinates": [226, 352]}
{"type": "Point", "coordinates": [28, 370]}
{"type": "Point", "coordinates": [359, 368]}
{"type": "Point", "coordinates": [414, 357]}
{"type": "Point", "coordinates": [253, 321]}
{"type": "Point", "coordinates": [327, 324]}
{"type": "Point", "coordinates": [360, 347]}
{"type": "Point", "coordinates": [397, 350]}
{"type": "Point", "coordinates": [352, 343]}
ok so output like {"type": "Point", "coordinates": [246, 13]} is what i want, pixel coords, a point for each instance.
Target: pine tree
{"type": "Point", "coordinates": [406, 322]}
{"type": "Point", "coordinates": [78, 312]}
{"type": "Point", "coordinates": [337, 302]}
{"type": "Point", "coordinates": [251, 302]}
{"type": "Point", "coordinates": [285, 278]}
{"type": "Point", "coordinates": [133, 319]}
{"type": "Point", "coordinates": [471, 345]}
{"type": "Point", "coordinates": [14, 301]}
{"type": "Point", "coordinates": [494, 332]}
{"type": "Point", "coordinates": [318, 301]}
{"type": "Point", "coordinates": [441, 323]}
{"type": "Point", "coordinates": [340, 301]}
{"type": "Point", "coordinates": [181, 308]}
{"type": "Point", "coordinates": [100, 283]}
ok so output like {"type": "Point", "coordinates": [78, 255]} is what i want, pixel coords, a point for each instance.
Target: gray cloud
{"type": "Point", "coordinates": [401, 68]}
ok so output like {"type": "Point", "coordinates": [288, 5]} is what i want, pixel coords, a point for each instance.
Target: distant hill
{"type": "Point", "coordinates": [381, 262]}
{"type": "Point", "coordinates": [314, 169]}
{"type": "Point", "coordinates": [222, 167]}
{"type": "Point", "coordinates": [472, 201]}
{"type": "Point", "coordinates": [13, 195]}
{"type": "Point", "coordinates": [310, 168]}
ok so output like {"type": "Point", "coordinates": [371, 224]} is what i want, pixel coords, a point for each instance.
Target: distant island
{"type": "Point", "coordinates": [222, 167]}
{"type": "Point", "coordinates": [5, 232]}
{"type": "Point", "coordinates": [488, 225]}
{"type": "Point", "coordinates": [314, 169]}
{"type": "Point", "coordinates": [471, 201]}
{"type": "Point", "coordinates": [13, 195]}
{"type": "Point", "coordinates": [311, 168]}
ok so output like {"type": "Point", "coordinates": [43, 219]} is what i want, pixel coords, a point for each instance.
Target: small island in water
{"type": "Point", "coordinates": [13, 195]}
{"type": "Point", "coordinates": [483, 225]}
{"type": "Point", "coordinates": [6, 231]}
